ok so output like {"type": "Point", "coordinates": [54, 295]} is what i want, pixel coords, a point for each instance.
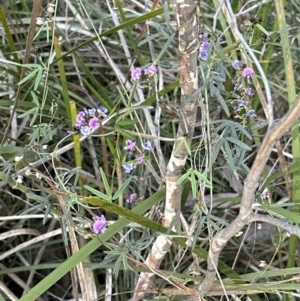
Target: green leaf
{"type": "Point", "coordinates": [261, 28]}
{"type": "Point", "coordinates": [124, 133]}
{"type": "Point", "coordinates": [35, 114]}
{"type": "Point", "coordinates": [131, 109]}
{"type": "Point", "coordinates": [35, 98]}
{"type": "Point", "coordinates": [202, 178]}
{"type": "Point", "coordinates": [122, 188]}
{"type": "Point", "coordinates": [217, 149]}
{"type": "Point", "coordinates": [38, 79]}
{"type": "Point", "coordinates": [123, 123]}
{"type": "Point", "coordinates": [10, 149]}
{"type": "Point", "coordinates": [223, 103]}
{"type": "Point", "coordinates": [105, 183]}
{"type": "Point", "coordinates": [113, 151]}
{"type": "Point", "coordinates": [166, 47]}
{"type": "Point", "coordinates": [33, 110]}
{"type": "Point", "coordinates": [28, 77]}
{"type": "Point", "coordinates": [193, 185]}
{"type": "Point", "coordinates": [228, 154]}
{"type": "Point", "coordinates": [225, 123]}
{"type": "Point", "coordinates": [284, 213]}
{"type": "Point", "coordinates": [239, 143]}
{"type": "Point", "coordinates": [97, 193]}
{"type": "Point", "coordinates": [183, 177]}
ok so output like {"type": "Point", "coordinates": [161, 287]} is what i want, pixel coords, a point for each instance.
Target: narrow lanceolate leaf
{"type": "Point", "coordinates": [122, 188]}
{"type": "Point", "coordinates": [105, 183]}
{"type": "Point", "coordinates": [97, 193]}
{"type": "Point", "coordinates": [239, 143]}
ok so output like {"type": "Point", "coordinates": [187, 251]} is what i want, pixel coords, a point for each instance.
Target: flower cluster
{"type": "Point", "coordinates": [204, 50]}
{"type": "Point", "coordinates": [204, 46]}
{"type": "Point", "coordinates": [245, 93]}
{"type": "Point", "coordinates": [130, 146]}
{"type": "Point", "coordinates": [137, 72]}
{"type": "Point", "coordinates": [88, 120]}
{"type": "Point", "coordinates": [265, 194]}
{"type": "Point", "coordinates": [99, 225]}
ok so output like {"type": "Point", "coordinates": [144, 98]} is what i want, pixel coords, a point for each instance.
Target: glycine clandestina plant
{"type": "Point", "coordinates": [219, 144]}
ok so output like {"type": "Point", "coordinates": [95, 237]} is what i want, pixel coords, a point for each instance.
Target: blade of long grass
{"type": "Point", "coordinates": [63, 79]}
{"type": "Point", "coordinates": [9, 38]}
{"type": "Point", "coordinates": [291, 94]}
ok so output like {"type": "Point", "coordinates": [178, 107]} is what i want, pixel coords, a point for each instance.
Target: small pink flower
{"type": "Point", "coordinates": [80, 118]}
{"type": "Point", "coordinates": [99, 226]}
{"type": "Point", "coordinates": [205, 45]}
{"type": "Point", "coordinates": [247, 72]}
{"type": "Point", "coordinates": [136, 74]}
{"type": "Point", "coordinates": [265, 194]}
{"type": "Point", "coordinates": [140, 159]}
{"type": "Point", "coordinates": [94, 123]}
{"type": "Point", "coordinates": [151, 70]}
{"type": "Point", "coordinates": [130, 145]}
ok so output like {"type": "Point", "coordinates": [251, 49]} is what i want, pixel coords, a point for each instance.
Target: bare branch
{"type": "Point", "coordinates": [281, 223]}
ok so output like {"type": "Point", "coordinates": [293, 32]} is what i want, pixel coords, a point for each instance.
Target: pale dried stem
{"type": "Point", "coordinates": [188, 46]}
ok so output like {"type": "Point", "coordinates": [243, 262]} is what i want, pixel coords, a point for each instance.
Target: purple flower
{"type": "Point", "coordinates": [249, 91]}
{"type": "Point", "coordinates": [242, 103]}
{"type": "Point", "coordinates": [136, 74]}
{"type": "Point", "coordinates": [128, 167]}
{"type": "Point", "coordinates": [140, 159]}
{"type": "Point", "coordinates": [92, 112]}
{"type": "Point", "coordinates": [99, 225]}
{"type": "Point", "coordinates": [247, 72]}
{"type": "Point", "coordinates": [204, 50]}
{"type": "Point", "coordinates": [131, 198]}
{"type": "Point", "coordinates": [203, 54]}
{"type": "Point", "coordinates": [151, 70]}
{"type": "Point", "coordinates": [251, 113]}
{"type": "Point", "coordinates": [265, 194]}
{"type": "Point", "coordinates": [102, 111]}
{"type": "Point", "coordinates": [130, 145]}
{"type": "Point", "coordinates": [87, 120]}
{"type": "Point", "coordinates": [146, 145]}
{"type": "Point", "coordinates": [205, 45]}
{"type": "Point", "coordinates": [235, 64]}
{"type": "Point", "coordinates": [80, 118]}
{"type": "Point", "coordinates": [85, 130]}
{"type": "Point", "coordinates": [94, 123]}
